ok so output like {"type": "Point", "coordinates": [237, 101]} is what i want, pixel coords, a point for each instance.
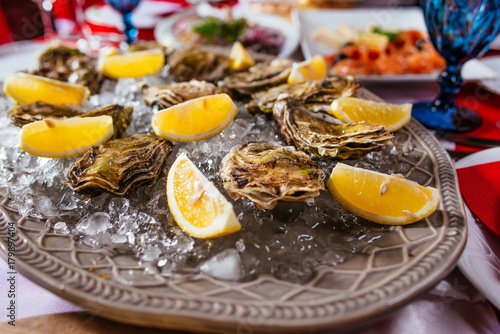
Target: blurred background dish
{"type": "Point", "coordinates": [363, 19]}
{"type": "Point", "coordinates": [167, 30]}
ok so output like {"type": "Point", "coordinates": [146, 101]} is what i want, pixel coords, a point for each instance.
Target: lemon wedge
{"type": "Point", "coordinates": [371, 40]}
{"type": "Point", "coordinates": [314, 68]}
{"type": "Point", "coordinates": [195, 119]}
{"type": "Point", "coordinates": [27, 88]}
{"type": "Point", "coordinates": [196, 204]}
{"type": "Point", "coordinates": [392, 116]}
{"type": "Point", "coordinates": [131, 64]}
{"type": "Point", "coordinates": [65, 138]}
{"type": "Point", "coordinates": [381, 198]}
{"type": "Point", "coordinates": [240, 58]}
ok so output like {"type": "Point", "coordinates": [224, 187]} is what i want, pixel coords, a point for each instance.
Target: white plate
{"type": "Point", "coordinates": [146, 15]}
{"type": "Point", "coordinates": [492, 84]}
{"type": "Point", "coordinates": [163, 30]}
{"type": "Point", "coordinates": [401, 18]}
{"type": "Point", "coordinates": [480, 261]}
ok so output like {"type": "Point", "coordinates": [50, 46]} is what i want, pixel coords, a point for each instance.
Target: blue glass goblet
{"type": "Point", "coordinates": [460, 30]}
{"type": "Point", "coordinates": [126, 7]}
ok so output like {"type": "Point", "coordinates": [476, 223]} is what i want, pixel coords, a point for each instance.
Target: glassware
{"type": "Point", "coordinates": [46, 14]}
{"type": "Point", "coordinates": [460, 30]}
{"type": "Point", "coordinates": [126, 8]}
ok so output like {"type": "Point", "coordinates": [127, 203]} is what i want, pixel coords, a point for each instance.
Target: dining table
{"type": "Point", "coordinates": [453, 305]}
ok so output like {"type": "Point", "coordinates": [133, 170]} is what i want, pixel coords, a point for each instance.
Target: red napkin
{"type": "Point", "coordinates": [486, 104]}
{"type": "Point", "coordinates": [480, 188]}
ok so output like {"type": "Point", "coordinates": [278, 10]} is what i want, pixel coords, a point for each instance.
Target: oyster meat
{"type": "Point", "coordinates": [64, 63]}
{"type": "Point", "coordinates": [119, 166]}
{"type": "Point", "coordinates": [168, 95]}
{"type": "Point", "coordinates": [259, 77]}
{"type": "Point", "coordinates": [324, 139]}
{"type": "Point", "coordinates": [204, 65]}
{"type": "Point", "coordinates": [266, 174]}
{"type": "Point", "coordinates": [316, 95]}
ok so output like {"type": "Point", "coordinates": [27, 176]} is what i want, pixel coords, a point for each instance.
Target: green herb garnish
{"type": "Point", "coordinates": [307, 171]}
{"type": "Point", "coordinates": [219, 31]}
{"type": "Point", "coordinates": [391, 34]}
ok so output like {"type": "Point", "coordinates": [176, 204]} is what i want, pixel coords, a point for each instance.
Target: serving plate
{"type": "Point", "coordinates": [389, 18]}
{"type": "Point", "coordinates": [383, 267]}
{"type": "Point", "coordinates": [164, 29]}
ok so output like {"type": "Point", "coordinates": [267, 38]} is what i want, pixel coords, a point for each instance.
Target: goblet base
{"type": "Point", "coordinates": [455, 118]}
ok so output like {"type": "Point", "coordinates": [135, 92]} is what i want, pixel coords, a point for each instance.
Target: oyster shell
{"type": "Point", "coordinates": [315, 95]}
{"type": "Point", "coordinates": [199, 64]}
{"type": "Point", "coordinates": [37, 111]}
{"type": "Point", "coordinates": [324, 139]}
{"type": "Point", "coordinates": [266, 174]}
{"type": "Point", "coordinates": [257, 78]}
{"type": "Point", "coordinates": [168, 95]}
{"type": "Point", "coordinates": [64, 63]}
{"type": "Point", "coordinates": [122, 117]}
{"type": "Point", "coordinates": [119, 166]}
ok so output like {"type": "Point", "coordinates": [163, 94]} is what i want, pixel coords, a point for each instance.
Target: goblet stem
{"type": "Point", "coordinates": [130, 30]}
{"type": "Point", "coordinates": [450, 82]}
{"type": "Point", "coordinates": [443, 113]}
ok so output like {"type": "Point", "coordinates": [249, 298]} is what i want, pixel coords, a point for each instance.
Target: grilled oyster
{"type": "Point", "coordinates": [199, 64]}
{"type": "Point", "coordinates": [324, 139]}
{"type": "Point", "coordinates": [37, 111]}
{"type": "Point", "coordinates": [69, 64]}
{"type": "Point", "coordinates": [168, 95]}
{"type": "Point", "coordinates": [257, 78]}
{"type": "Point", "coordinates": [315, 95]}
{"type": "Point", "coordinates": [119, 166]}
{"type": "Point", "coordinates": [266, 174]}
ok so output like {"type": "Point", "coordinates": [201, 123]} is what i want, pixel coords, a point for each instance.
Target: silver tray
{"type": "Point", "coordinates": [402, 263]}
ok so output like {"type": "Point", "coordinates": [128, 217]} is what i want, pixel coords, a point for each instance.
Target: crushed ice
{"type": "Point", "coordinates": [287, 242]}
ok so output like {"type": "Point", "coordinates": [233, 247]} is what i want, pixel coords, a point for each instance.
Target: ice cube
{"type": "Point", "coordinates": [151, 254]}
{"type": "Point", "coordinates": [96, 223]}
{"type": "Point", "coordinates": [226, 266]}
{"type": "Point", "coordinates": [61, 228]}
{"type": "Point", "coordinates": [118, 238]}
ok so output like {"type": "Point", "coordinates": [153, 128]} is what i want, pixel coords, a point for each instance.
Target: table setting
{"type": "Point", "coordinates": [96, 236]}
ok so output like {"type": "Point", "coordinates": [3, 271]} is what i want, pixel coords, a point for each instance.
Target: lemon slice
{"type": "Point", "coordinates": [240, 58]}
{"type": "Point", "coordinates": [314, 68]}
{"type": "Point", "coordinates": [195, 119]}
{"type": "Point", "coordinates": [371, 40]}
{"type": "Point", "coordinates": [65, 138]}
{"type": "Point", "coordinates": [392, 116]}
{"type": "Point", "coordinates": [381, 198]}
{"type": "Point", "coordinates": [27, 88]}
{"type": "Point", "coordinates": [196, 204]}
{"type": "Point", "coordinates": [131, 64]}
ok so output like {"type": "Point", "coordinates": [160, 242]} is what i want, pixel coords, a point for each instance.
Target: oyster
{"type": "Point", "coordinates": [199, 64]}
{"type": "Point", "coordinates": [168, 95]}
{"type": "Point", "coordinates": [122, 117]}
{"type": "Point", "coordinates": [324, 139]}
{"type": "Point", "coordinates": [64, 63]}
{"type": "Point", "coordinates": [37, 111]}
{"type": "Point", "coordinates": [266, 174]}
{"type": "Point", "coordinates": [119, 166]}
{"type": "Point", "coordinates": [257, 78]}
{"type": "Point", "coordinates": [315, 95]}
